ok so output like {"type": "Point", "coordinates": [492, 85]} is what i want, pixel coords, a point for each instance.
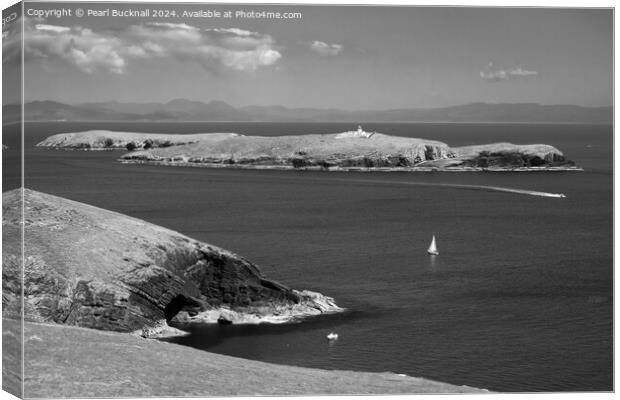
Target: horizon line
{"type": "Point", "coordinates": [313, 107]}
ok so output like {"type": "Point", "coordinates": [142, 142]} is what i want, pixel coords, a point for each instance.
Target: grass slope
{"type": "Point", "coordinates": [62, 361]}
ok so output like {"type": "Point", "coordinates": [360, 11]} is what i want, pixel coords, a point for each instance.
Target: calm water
{"type": "Point", "coordinates": [520, 298]}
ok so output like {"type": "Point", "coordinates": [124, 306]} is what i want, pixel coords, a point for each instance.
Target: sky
{"type": "Point", "coordinates": [347, 57]}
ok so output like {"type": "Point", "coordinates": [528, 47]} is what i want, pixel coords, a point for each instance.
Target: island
{"type": "Point", "coordinates": [356, 150]}
{"type": "Point", "coordinates": [95, 140]}
{"type": "Point", "coordinates": [99, 287]}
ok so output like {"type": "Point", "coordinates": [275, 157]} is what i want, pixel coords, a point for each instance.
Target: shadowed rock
{"type": "Point", "coordinates": [505, 156]}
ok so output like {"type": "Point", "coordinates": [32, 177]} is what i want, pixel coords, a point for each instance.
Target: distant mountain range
{"type": "Point", "coordinates": [187, 110]}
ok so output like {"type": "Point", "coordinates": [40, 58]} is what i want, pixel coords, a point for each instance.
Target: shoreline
{"type": "Point", "coordinates": [112, 356]}
{"type": "Point", "coordinates": [346, 169]}
{"type": "Point", "coordinates": [249, 315]}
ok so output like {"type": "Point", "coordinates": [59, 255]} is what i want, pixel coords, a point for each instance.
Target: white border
{"type": "Point", "coordinates": [451, 3]}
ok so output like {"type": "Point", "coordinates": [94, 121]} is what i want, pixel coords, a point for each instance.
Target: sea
{"type": "Point", "coordinates": [520, 298]}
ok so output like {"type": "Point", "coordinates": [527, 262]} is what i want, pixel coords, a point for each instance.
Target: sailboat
{"type": "Point", "coordinates": [432, 249]}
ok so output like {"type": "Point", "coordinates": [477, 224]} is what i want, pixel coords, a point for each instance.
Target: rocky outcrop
{"type": "Point", "coordinates": [258, 314]}
{"type": "Point", "coordinates": [95, 268]}
{"type": "Point", "coordinates": [505, 156]}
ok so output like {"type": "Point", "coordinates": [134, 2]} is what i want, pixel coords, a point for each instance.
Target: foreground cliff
{"type": "Point", "coordinates": [86, 267]}
{"type": "Point", "coordinates": [95, 268]}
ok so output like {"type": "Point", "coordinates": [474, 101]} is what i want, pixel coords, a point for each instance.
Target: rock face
{"type": "Point", "coordinates": [508, 154]}
{"type": "Point", "coordinates": [314, 304]}
{"type": "Point", "coordinates": [99, 269]}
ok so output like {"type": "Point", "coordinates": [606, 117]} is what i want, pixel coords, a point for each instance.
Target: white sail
{"type": "Point", "coordinates": [432, 249]}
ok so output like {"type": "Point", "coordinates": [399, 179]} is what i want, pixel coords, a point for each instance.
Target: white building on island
{"type": "Point", "coordinates": [359, 133]}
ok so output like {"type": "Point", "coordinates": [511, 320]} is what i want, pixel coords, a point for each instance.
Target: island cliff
{"type": "Point", "coordinates": [349, 151]}
{"type": "Point", "coordinates": [99, 269]}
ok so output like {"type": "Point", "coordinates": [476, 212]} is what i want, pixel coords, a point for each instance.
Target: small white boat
{"type": "Point", "coordinates": [332, 336]}
{"type": "Point", "coordinates": [432, 249]}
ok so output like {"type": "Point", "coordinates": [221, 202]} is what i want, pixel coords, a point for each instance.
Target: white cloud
{"type": "Point", "coordinates": [79, 46]}
{"type": "Point", "coordinates": [218, 50]}
{"type": "Point", "coordinates": [236, 31]}
{"type": "Point", "coordinates": [497, 75]}
{"type": "Point", "coordinates": [236, 39]}
{"type": "Point", "coordinates": [163, 33]}
{"type": "Point", "coordinates": [170, 25]}
{"type": "Point", "coordinates": [215, 49]}
{"type": "Point", "coordinates": [325, 49]}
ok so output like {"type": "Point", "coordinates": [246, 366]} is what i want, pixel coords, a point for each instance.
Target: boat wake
{"type": "Point", "coordinates": [505, 189]}
{"type": "Point", "coordinates": [467, 187]}
{"type": "Point", "coordinates": [433, 184]}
